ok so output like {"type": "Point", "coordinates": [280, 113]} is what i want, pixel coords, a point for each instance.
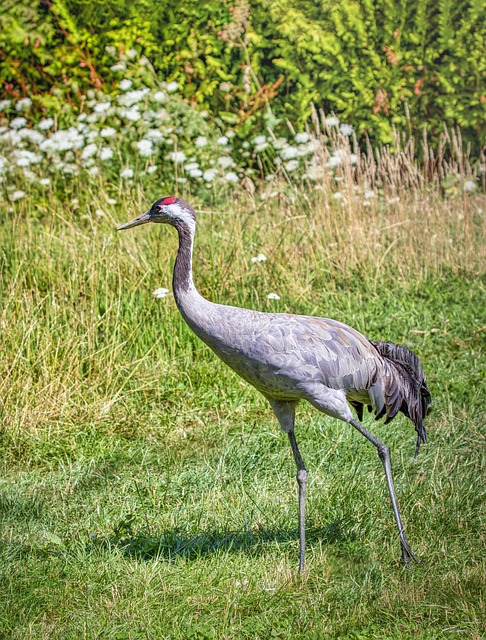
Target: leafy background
{"type": "Point", "coordinates": [377, 63]}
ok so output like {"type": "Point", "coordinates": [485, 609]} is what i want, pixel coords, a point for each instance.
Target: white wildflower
{"type": "Point", "coordinates": [225, 86]}
{"type": "Point", "coordinates": [273, 296]}
{"type": "Point", "coordinates": [18, 123]}
{"type": "Point", "coordinates": [133, 115]}
{"type": "Point", "coordinates": [89, 151]}
{"type": "Point", "coordinates": [102, 107]}
{"type": "Point", "coordinates": [302, 138]}
{"type": "Point", "coordinates": [82, 117]}
{"type": "Point", "coordinates": [201, 141]}
{"type": "Point", "coordinates": [69, 169]}
{"type": "Point", "coordinates": [100, 213]}
{"type": "Point", "coordinates": [259, 140]}
{"type": "Point", "coordinates": [63, 140]}
{"type": "Point", "coordinates": [160, 96]}
{"type": "Point", "coordinates": [160, 293]}
{"type": "Point", "coordinates": [17, 195]}
{"type": "Point", "coordinates": [287, 153]}
{"type": "Point", "coordinates": [125, 84]}
{"type": "Point", "coordinates": [31, 134]}
{"type": "Point", "coordinates": [369, 193]}
{"type": "Point", "coordinates": [152, 169]}
{"type": "Point", "coordinates": [111, 201]}
{"type": "Point", "coordinates": [94, 171]}
{"type": "Point", "coordinates": [154, 135]}
{"type": "Point", "coordinates": [145, 148]}
{"type": "Point", "coordinates": [119, 66]}
{"type": "Point", "coordinates": [132, 97]}
{"type": "Point", "coordinates": [337, 195]}
{"type": "Point", "coordinates": [92, 118]}
{"type": "Point", "coordinates": [261, 147]}
{"type": "Point", "coordinates": [195, 173]}
{"type": "Point", "coordinates": [191, 165]}
{"type": "Point", "coordinates": [5, 104]}
{"type": "Point", "coordinates": [149, 115]}
{"type": "Point", "coordinates": [332, 121]}
{"type": "Point", "coordinates": [110, 50]}
{"type": "Point", "coordinates": [225, 162]}
{"type": "Point", "coordinates": [259, 258]}
{"type": "Point", "coordinates": [393, 200]}
{"type": "Point", "coordinates": [222, 140]}
{"type": "Point", "coordinates": [333, 161]}
{"type": "Point", "coordinates": [231, 177]}
{"type": "Point", "coordinates": [23, 104]}
{"type": "Point", "coordinates": [346, 129]}
{"type": "Point", "coordinates": [24, 158]}
{"type": "Point", "coordinates": [106, 153]}
{"type": "Point", "coordinates": [172, 86]}
{"type": "Point", "coordinates": [210, 174]}
{"type": "Point", "coordinates": [162, 114]}
{"type": "Point", "coordinates": [230, 134]}
{"type": "Point", "coordinates": [177, 156]}
{"type": "Point", "coordinates": [291, 165]}
{"type": "Point", "coordinates": [45, 182]}
{"type": "Point", "coordinates": [107, 132]}
{"type": "Point", "coordinates": [469, 185]}
{"type": "Point", "coordinates": [280, 143]}
{"type": "Point", "coordinates": [314, 172]}
{"type": "Point", "coordinates": [45, 124]}
{"type": "Point", "coordinates": [126, 173]}
{"type": "Point", "coordinates": [353, 158]}
{"type": "Point", "coordinates": [132, 53]}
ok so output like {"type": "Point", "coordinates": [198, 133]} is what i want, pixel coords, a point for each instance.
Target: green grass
{"type": "Point", "coordinates": [146, 491]}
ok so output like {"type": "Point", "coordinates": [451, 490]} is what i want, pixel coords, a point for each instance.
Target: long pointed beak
{"type": "Point", "coordinates": [143, 219]}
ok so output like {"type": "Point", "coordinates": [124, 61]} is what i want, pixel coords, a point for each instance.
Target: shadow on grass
{"type": "Point", "coordinates": [146, 545]}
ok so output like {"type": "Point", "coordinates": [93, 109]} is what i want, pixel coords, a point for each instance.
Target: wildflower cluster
{"type": "Point", "coordinates": [140, 133]}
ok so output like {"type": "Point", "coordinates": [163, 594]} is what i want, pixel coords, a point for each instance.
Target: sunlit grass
{"type": "Point", "coordinates": [146, 491]}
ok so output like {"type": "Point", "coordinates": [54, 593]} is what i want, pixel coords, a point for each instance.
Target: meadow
{"type": "Point", "coordinates": [146, 491]}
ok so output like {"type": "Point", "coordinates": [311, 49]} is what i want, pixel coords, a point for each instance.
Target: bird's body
{"type": "Point", "coordinates": [289, 358]}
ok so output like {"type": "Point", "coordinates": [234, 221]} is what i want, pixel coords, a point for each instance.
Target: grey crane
{"type": "Point", "coordinates": [289, 358]}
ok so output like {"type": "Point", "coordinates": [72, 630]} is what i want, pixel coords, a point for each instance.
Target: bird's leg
{"type": "Point", "coordinates": [384, 455]}
{"type": "Point", "coordinates": [302, 482]}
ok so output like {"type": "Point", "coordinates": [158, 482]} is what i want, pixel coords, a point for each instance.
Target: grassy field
{"type": "Point", "coordinates": [146, 491]}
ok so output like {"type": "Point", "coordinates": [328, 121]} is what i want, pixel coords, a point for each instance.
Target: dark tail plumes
{"type": "Point", "coordinates": [409, 393]}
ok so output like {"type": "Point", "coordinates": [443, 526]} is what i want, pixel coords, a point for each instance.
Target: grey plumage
{"type": "Point", "coordinates": [290, 358]}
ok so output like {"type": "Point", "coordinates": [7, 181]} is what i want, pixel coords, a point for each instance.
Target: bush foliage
{"type": "Point", "coordinates": [254, 62]}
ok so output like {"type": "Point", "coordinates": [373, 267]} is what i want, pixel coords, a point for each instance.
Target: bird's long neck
{"type": "Point", "coordinates": [187, 298]}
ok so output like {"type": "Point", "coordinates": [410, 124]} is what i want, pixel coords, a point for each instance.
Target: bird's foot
{"type": "Point", "coordinates": [407, 553]}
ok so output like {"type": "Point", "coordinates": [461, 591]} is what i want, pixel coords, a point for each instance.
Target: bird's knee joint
{"type": "Point", "coordinates": [383, 452]}
{"type": "Point", "coordinates": [302, 477]}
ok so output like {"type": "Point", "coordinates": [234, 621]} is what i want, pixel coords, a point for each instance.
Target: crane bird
{"type": "Point", "coordinates": [289, 358]}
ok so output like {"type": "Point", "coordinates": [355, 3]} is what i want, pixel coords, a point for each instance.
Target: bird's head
{"type": "Point", "coordinates": [170, 210]}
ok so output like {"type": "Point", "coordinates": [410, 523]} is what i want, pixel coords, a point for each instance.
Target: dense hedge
{"type": "Point", "coordinates": [370, 61]}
